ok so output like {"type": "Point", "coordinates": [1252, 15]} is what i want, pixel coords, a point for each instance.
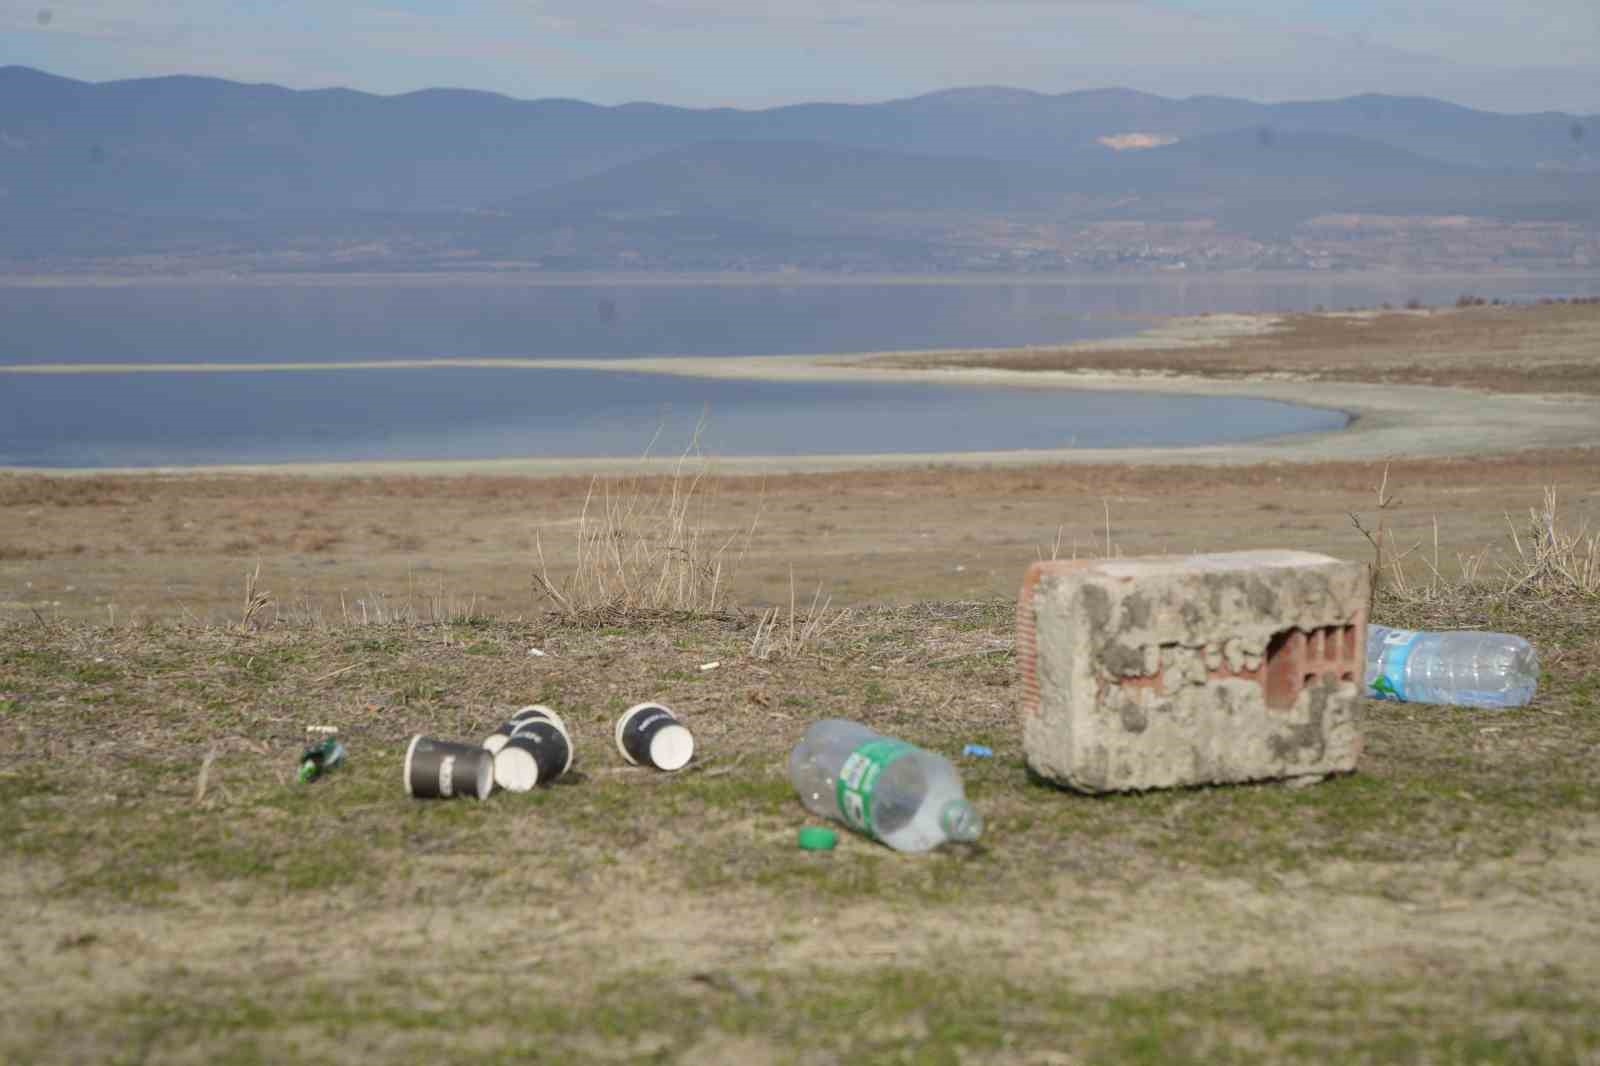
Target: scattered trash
{"type": "Point", "coordinates": [497, 740]}
{"type": "Point", "coordinates": [817, 838]}
{"type": "Point", "coordinates": [978, 751]}
{"type": "Point", "coordinates": [845, 771]}
{"type": "Point", "coordinates": [321, 758]}
{"type": "Point", "coordinates": [536, 653]}
{"type": "Point", "coordinates": [709, 666]}
{"type": "Point", "coordinates": [537, 752]}
{"type": "Point", "coordinates": [441, 769]}
{"type": "Point", "coordinates": [650, 734]}
{"type": "Point", "coordinates": [1466, 668]}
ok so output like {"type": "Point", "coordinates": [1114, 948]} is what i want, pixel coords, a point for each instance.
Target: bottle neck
{"type": "Point", "coordinates": [960, 821]}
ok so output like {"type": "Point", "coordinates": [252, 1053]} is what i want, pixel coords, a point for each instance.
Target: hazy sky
{"type": "Point", "coordinates": [1499, 54]}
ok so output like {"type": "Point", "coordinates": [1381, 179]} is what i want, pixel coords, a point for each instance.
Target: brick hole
{"type": "Point", "coordinates": [1297, 659]}
{"type": "Point", "coordinates": [1285, 668]}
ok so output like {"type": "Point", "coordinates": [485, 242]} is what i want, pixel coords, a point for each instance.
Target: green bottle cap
{"type": "Point", "coordinates": [818, 838]}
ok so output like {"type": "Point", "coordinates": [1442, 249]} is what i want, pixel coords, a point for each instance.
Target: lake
{"type": "Point", "coordinates": [92, 420]}
{"type": "Point", "coordinates": [147, 419]}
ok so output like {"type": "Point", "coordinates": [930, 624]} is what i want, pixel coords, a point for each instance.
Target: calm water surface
{"type": "Point", "coordinates": [453, 413]}
{"type": "Point", "coordinates": [267, 322]}
{"type": "Point", "coordinates": [279, 416]}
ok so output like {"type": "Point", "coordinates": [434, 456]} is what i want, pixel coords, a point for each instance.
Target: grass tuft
{"type": "Point", "coordinates": [777, 639]}
{"type": "Point", "coordinates": [1552, 559]}
{"type": "Point", "coordinates": [1549, 560]}
{"type": "Point", "coordinates": [255, 600]}
{"type": "Point", "coordinates": [645, 548]}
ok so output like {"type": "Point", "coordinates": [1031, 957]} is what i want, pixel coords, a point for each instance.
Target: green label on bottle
{"type": "Point", "coordinates": [859, 775]}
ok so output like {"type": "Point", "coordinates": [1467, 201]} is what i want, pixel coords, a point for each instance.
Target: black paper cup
{"type": "Point", "coordinates": [497, 740]}
{"type": "Point", "coordinates": [649, 734]}
{"type": "Point", "coordinates": [536, 753]}
{"type": "Point", "coordinates": [443, 769]}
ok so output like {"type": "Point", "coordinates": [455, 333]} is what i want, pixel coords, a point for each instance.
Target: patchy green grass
{"type": "Point", "coordinates": [879, 1015]}
{"type": "Point", "coordinates": [622, 914]}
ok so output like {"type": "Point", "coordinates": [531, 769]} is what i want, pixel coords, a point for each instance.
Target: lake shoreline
{"type": "Point", "coordinates": [1386, 419]}
{"type": "Point", "coordinates": [534, 278]}
{"type": "Point", "coordinates": [184, 541]}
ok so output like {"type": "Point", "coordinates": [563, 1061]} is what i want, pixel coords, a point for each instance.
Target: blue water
{"type": "Point", "coordinates": [280, 416]}
{"type": "Point", "coordinates": [158, 419]}
{"type": "Point", "coordinates": [284, 322]}
{"type": "Point", "coordinates": [351, 321]}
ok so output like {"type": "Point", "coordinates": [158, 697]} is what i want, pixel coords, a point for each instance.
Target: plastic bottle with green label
{"type": "Point", "coordinates": [888, 789]}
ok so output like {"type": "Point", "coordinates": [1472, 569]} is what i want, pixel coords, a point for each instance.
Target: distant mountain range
{"type": "Point", "coordinates": [200, 170]}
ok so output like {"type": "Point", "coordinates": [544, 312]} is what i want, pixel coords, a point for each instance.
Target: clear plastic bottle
{"type": "Point", "coordinates": [1462, 667]}
{"type": "Point", "coordinates": [892, 791]}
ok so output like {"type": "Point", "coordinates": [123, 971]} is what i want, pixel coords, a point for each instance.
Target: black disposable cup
{"type": "Point", "coordinates": [443, 769]}
{"type": "Point", "coordinates": [497, 740]}
{"type": "Point", "coordinates": [649, 734]}
{"type": "Point", "coordinates": [536, 753]}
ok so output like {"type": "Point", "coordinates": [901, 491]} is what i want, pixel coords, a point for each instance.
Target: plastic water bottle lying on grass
{"type": "Point", "coordinates": [1464, 667]}
{"type": "Point", "coordinates": [888, 789]}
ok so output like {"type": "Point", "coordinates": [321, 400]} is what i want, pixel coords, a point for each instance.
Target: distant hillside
{"type": "Point", "coordinates": [787, 177]}
{"type": "Point", "coordinates": [187, 166]}
{"type": "Point", "coordinates": [1319, 172]}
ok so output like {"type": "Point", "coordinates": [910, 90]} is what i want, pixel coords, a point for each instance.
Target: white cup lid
{"type": "Point", "coordinates": [515, 770]}
{"type": "Point", "coordinates": [672, 747]}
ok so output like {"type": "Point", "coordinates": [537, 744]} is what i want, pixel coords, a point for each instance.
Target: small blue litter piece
{"type": "Point", "coordinates": [978, 751]}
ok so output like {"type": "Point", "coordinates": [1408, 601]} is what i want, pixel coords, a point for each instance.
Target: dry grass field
{"type": "Point", "coordinates": [1500, 348]}
{"type": "Point", "coordinates": [174, 896]}
{"type": "Point", "coordinates": [120, 549]}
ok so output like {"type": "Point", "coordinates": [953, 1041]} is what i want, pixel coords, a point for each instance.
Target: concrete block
{"type": "Point", "coordinates": [1188, 670]}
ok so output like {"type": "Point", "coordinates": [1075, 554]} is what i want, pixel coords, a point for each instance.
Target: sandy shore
{"type": "Point", "coordinates": [1387, 420]}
